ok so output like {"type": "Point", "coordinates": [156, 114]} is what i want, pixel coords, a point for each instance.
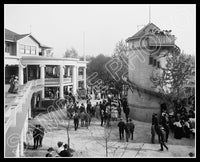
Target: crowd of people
{"type": "Point", "coordinates": [62, 150]}
{"type": "Point", "coordinates": [181, 124]}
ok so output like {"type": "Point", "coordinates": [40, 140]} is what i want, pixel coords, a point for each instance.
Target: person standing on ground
{"type": "Point", "coordinates": [36, 137]}
{"type": "Point", "coordinates": [131, 128]}
{"type": "Point", "coordinates": [165, 124]}
{"type": "Point", "coordinates": [153, 132]}
{"type": "Point", "coordinates": [102, 116]}
{"type": "Point", "coordinates": [41, 135]}
{"type": "Point", "coordinates": [97, 109]}
{"type": "Point", "coordinates": [127, 131]}
{"type": "Point", "coordinates": [119, 109]}
{"type": "Point", "coordinates": [162, 137]}
{"type": "Point", "coordinates": [89, 107]}
{"type": "Point", "coordinates": [82, 117]}
{"type": "Point", "coordinates": [121, 126]}
{"type": "Point", "coordinates": [127, 111]}
{"type": "Point", "coordinates": [76, 120]}
{"type": "Point", "coordinates": [87, 119]}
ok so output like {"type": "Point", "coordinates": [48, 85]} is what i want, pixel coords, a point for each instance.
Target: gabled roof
{"type": "Point", "coordinates": [143, 31]}
{"type": "Point", "coordinates": [12, 36]}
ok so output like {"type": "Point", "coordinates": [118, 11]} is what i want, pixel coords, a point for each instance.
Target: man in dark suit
{"type": "Point", "coordinates": [131, 128]}
{"type": "Point", "coordinates": [121, 126]}
{"type": "Point", "coordinates": [36, 136]}
{"type": "Point", "coordinates": [162, 133]}
{"type": "Point", "coordinates": [41, 135]}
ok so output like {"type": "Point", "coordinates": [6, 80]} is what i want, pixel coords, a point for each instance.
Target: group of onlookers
{"type": "Point", "coordinates": [181, 124]}
{"type": "Point", "coordinates": [63, 150]}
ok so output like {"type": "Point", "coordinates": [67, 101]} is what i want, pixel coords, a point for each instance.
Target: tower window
{"type": "Point", "coordinates": [150, 60]}
{"type": "Point", "coordinates": [158, 64]}
{"type": "Point", "coordinates": [154, 62]}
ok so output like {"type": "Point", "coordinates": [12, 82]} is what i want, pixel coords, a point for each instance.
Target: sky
{"type": "Point", "coordinates": [94, 29]}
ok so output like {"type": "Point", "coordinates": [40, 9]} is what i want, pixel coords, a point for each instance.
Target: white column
{"type": "Point", "coordinates": [21, 75]}
{"type": "Point", "coordinates": [84, 75]}
{"type": "Point", "coordinates": [74, 75]}
{"type": "Point", "coordinates": [21, 145]}
{"type": "Point", "coordinates": [42, 76]}
{"type": "Point", "coordinates": [61, 81]}
{"type": "Point", "coordinates": [68, 71]}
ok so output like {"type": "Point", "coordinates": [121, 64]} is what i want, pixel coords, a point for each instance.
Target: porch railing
{"type": "Point", "coordinates": [16, 112]}
{"type": "Point", "coordinates": [49, 81]}
{"type": "Point", "coordinates": [80, 77]}
{"type": "Point", "coordinates": [161, 40]}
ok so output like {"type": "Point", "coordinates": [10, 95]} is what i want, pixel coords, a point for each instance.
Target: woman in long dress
{"type": "Point", "coordinates": [10, 90]}
{"type": "Point", "coordinates": [16, 85]}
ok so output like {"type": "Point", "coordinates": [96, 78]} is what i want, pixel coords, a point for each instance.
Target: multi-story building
{"type": "Point", "coordinates": [38, 72]}
{"type": "Point", "coordinates": [148, 48]}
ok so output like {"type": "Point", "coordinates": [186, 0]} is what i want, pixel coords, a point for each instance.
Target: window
{"type": "Point", "coordinates": [22, 49]}
{"type": "Point", "coordinates": [158, 64]}
{"type": "Point", "coordinates": [7, 46]}
{"type": "Point", "coordinates": [28, 50]}
{"type": "Point", "coordinates": [154, 62]}
{"type": "Point", "coordinates": [150, 60]}
{"type": "Point", "coordinates": [33, 50]}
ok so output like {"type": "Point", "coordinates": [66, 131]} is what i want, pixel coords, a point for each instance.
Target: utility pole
{"type": "Point", "coordinates": [84, 46]}
{"type": "Point", "coordinates": [30, 29]}
{"type": "Point", "coordinates": [149, 13]}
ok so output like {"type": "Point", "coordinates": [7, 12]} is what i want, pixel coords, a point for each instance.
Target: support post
{"type": "Point", "coordinates": [61, 81]}
{"type": "Point", "coordinates": [74, 79]}
{"type": "Point", "coordinates": [42, 76]}
{"type": "Point", "coordinates": [21, 75]}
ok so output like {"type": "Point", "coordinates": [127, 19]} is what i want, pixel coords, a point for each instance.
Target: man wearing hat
{"type": "Point", "coordinates": [162, 137]}
{"type": "Point", "coordinates": [36, 136]}
{"type": "Point", "coordinates": [131, 127]}
{"type": "Point", "coordinates": [121, 126]}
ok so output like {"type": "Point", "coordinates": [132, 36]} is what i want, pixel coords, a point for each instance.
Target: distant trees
{"type": "Point", "coordinates": [100, 63]}
{"type": "Point", "coordinates": [97, 65]}
{"type": "Point", "coordinates": [71, 53]}
{"type": "Point", "coordinates": [88, 58]}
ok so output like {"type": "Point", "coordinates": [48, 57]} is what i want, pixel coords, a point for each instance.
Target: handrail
{"type": "Point", "coordinates": [21, 97]}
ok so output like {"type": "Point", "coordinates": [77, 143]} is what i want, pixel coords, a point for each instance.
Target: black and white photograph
{"type": "Point", "coordinates": [100, 81]}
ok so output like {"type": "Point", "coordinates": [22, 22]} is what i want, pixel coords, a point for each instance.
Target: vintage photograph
{"type": "Point", "coordinates": [99, 80]}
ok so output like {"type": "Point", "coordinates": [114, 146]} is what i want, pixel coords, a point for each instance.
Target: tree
{"type": "Point", "coordinates": [121, 54]}
{"type": "Point", "coordinates": [173, 77]}
{"type": "Point", "coordinates": [106, 138]}
{"type": "Point", "coordinates": [71, 53]}
{"type": "Point", "coordinates": [88, 58]}
{"type": "Point", "coordinates": [97, 65]}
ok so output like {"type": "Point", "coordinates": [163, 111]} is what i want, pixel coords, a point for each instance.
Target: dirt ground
{"type": "Point", "coordinates": [91, 142]}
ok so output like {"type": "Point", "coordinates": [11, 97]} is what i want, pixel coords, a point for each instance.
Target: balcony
{"type": "Point", "coordinates": [56, 81]}
{"type": "Point", "coordinates": [161, 40]}
{"type": "Point", "coordinates": [16, 112]}
{"type": "Point", "coordinates": [67, 80]}
{"type": "Point", "coordinates": [80, 77]}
